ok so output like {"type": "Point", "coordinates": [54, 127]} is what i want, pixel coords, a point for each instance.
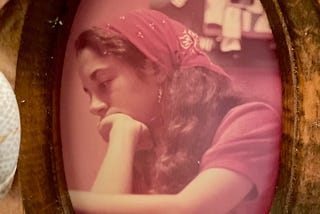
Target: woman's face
{"type": "Point", "coordinates": [115, 87]}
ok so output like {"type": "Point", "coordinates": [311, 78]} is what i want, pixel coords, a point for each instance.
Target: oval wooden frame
{"type": "Point", "coordinates": [295, 24]}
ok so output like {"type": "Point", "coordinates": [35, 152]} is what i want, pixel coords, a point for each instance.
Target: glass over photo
{"type": "Point", "coordinates": [171, 106]}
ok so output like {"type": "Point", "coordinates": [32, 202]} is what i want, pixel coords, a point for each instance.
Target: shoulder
{"type": "Point", "coordinates": [247, 141]}
{"type": "Point", "coordinates": [254, 118]}
{"type": "Point", "coordinates": [252, 108]}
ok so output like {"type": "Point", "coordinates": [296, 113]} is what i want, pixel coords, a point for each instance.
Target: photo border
{"type": "Point", "coordinates": [39, 71]}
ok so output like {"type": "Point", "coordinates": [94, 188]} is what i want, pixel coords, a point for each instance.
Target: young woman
{"type": "Point", "coordinates": [180, 140]}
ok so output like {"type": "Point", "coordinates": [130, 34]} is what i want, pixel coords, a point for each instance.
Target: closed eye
{"type": "Point", "coordinates": [104, 85]}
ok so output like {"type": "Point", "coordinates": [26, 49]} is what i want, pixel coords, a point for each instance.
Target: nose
{"type": "Point", "coordinates": [98, 107]}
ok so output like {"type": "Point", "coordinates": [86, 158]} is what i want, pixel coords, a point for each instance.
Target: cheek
{"type": "Point", "coordinates": [134, 97]}
{"type": "Point", "coordinates": [146, 92]}
{"type": "Point", "coordinates": [130, 89]}
{"type": "Point", "coordinates": [140, 103]}
{"type": "Point", "coordinates": [146, 102]}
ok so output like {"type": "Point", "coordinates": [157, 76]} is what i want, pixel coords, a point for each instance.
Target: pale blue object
{"type": "Point", "coordinates": [9, 135]}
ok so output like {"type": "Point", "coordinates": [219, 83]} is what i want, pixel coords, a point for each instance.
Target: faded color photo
{"type": "Point", "coordinates": [171, 107]}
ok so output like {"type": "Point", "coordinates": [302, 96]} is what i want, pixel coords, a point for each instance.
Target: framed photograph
{"type": "Point", "coordinates": [148, 97]}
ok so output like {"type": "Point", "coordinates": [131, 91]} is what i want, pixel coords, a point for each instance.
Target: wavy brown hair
{"type": "Point", "coordinates": [193, 104]}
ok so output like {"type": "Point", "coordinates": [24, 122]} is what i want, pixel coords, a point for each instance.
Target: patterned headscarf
{"type": "Point", "coordinates": [163, 40]}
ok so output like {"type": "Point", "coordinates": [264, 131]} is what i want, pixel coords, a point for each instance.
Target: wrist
{"type": "Point", "coordinates": [125, 133]}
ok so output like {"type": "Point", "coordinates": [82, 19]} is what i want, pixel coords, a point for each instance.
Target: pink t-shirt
{"type": "Point", "coordinates": [247, 142]}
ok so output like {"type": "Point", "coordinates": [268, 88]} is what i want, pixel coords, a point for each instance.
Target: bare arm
{"type": "Point", "coordinates": [115, 174]}
{"type": "Point", "coordinates": [214, 190]}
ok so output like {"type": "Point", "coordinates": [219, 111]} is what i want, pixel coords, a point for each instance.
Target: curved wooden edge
{"type": "Point", "coordinates": [287, 62]}
{"type": "Point", "coordinates": [295, 24]}
{"type": "Point", "coordinates": [41, 54]}
{"type": "Point", "coordinates": [38, 88]}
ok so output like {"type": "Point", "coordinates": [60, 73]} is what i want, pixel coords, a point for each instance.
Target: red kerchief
{"type": "Point", "coordinates": [163, 40]}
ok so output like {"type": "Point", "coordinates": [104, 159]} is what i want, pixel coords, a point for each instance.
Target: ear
{"type": "Point", "coordinates": [151, 69]}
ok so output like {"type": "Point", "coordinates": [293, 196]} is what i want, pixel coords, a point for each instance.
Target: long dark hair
{"type": "Point", "coordinates": [193, 104]}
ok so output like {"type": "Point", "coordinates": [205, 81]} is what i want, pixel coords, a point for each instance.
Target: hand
{"type": "Point", "coordinates": [117, 126]}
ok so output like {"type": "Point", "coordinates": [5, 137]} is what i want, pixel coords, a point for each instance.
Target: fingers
{"type": "Point", "coordinates": [121, 124]}
{"type": "Point", "coordinates": [112, 127]}
{"type": "Point", "coordinates": [104, 127]}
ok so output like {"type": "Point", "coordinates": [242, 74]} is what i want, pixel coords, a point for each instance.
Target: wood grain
{"type": "Point", "coordinates": [295, 24]}
{"type": "Point", "coordinates": [38, 87]}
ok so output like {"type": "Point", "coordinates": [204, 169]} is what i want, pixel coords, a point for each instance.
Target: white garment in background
{"type": "Point", "coordinates": [262, 24]}
{"type": "Point", "coordinates": [214, 11]}
{"type": "Point", "coordinates": [231, 29]}
{"type": "Point", "coordinates": [179, 3]}
{"type": "Point", "coordinates": [235, 19]}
